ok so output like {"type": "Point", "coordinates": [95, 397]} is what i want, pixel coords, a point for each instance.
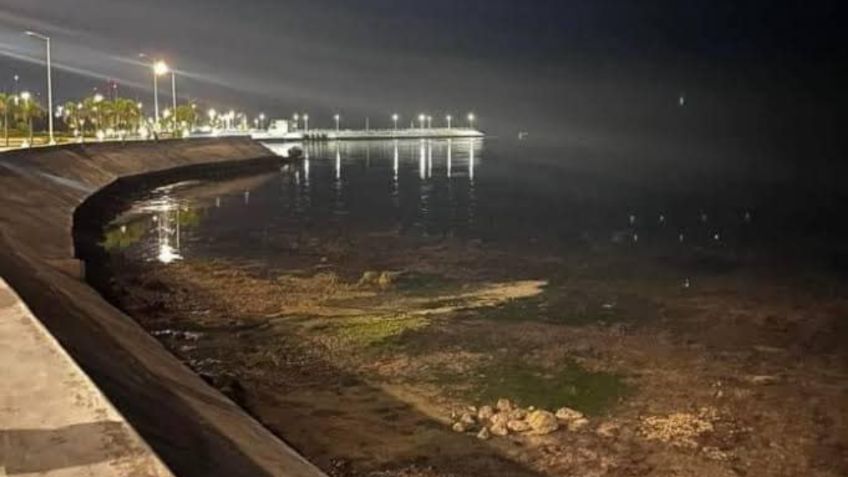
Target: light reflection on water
{"type": "Point", "coordinates": [466, 189]}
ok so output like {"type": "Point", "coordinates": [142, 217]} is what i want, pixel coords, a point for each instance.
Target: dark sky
{"type": "Point", "coordinates": [562, 69]}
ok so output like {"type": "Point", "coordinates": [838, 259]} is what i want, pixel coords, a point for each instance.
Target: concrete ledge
{"type": "Point", "coordinates": [191, 427]}
{"type": "Point", "coordinates": [53, 419]}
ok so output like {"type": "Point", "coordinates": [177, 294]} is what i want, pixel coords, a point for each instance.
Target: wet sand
{"type": "Point", "coordinates": [362, 355]}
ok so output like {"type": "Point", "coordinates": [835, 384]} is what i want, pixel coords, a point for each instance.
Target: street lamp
{"type": "Point", "coordinates": [395, 118]}
{"type": "Point", "coordinates": [306, 122]}
{"type": "Point", "coordinates": [471, 119]}
{"type": "Point", "coordinates": [174, 97]}
{"type": "Point", "coordinates": [46, 39]}
{"type": "Point", "coordinates": [421, 119]}
{"type": "Point", "coordinates": [449, 118]}
{"type": "Point", "coordinates": [159, 68]}
{"type": "Point", "coordinates": [262, 120]}
{"type": "Point", "coordinates": [338, 119]}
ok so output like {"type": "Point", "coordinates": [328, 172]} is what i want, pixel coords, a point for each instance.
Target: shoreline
{"type": "Point", "coordinates": [194, 429]}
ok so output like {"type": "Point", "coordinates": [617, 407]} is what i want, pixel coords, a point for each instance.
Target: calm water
{"type": "Point", "coordinates": [506, 193]}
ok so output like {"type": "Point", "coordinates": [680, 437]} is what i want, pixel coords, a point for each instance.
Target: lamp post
{"type": "Point", "coordinates": [338, 119]}
{"type": "Point", "coordinates": [471, 119]}
{"type": "Point", "coordinates": [174, 97]}
{"type": "Point", "coordinates": [46, 40]}
{"type": "Point", "coordinates": [421, 119]}
{"type": "Point", "coordinates": [395, 118]}
{"type": "Point", "coordinates": [159, 68]}
{"type": "Point", "coordinates": [306, 123]}
{"type": "Point", "coordinates": [449, 118]}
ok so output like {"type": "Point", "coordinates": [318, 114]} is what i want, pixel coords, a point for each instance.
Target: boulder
{"type": "Point", "coordinates": [500, 418]}
{"type": "Point", "coordinates": [607, 429]}
{"type": "Point", "coordinates": [484, 434]}
{"type": "Point", "coordinates": [499, 429]}
{"type": "Point", "coordinates": [485, 413]}
{"type": "Point", "coordinates": [518, 414]}
{"type": "Point", "coordinates": [504, 405]}
{"type": "Point", "coordinates": [568, 414]}
{"type": "Point", "coordinates": [517, 425]}
{"type": "Point", "coordinates": [459, 427]}
{"type": "Point", "coordinates": [467, 419]}
{"type": "Point", "coordinates": [577, 424]}
{"type": "Point", "coordinates": [542, 422]}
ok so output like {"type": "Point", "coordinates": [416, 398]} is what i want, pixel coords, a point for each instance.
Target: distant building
{"type": "Point", "coordinates": [279, 126]}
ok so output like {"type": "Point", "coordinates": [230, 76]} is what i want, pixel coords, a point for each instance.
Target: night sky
{"type": "Point", "coordinates": [758, 77]}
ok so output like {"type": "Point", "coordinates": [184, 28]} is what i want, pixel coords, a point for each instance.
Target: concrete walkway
{"type": "Point", "coordinates": [53, 420]}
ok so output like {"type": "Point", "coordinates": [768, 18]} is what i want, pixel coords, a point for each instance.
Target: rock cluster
{"type": "Point", "coordinates": [505, 417]}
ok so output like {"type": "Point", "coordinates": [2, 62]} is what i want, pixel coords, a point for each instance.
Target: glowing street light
{"type": "Point", "coordinates": [262, 120]}
{"type": "Point", "coordinates": [395, 118]}
{"type": "Point", "coordinates": [306, 122]}
{"type": "Point", "coordinates": [26, 96]}
{"type": "Point", "coordinates": [98, 98]}
{"type": "Point", "coordinates": [471, 119]}
{"type": "Point", "coordinates": [449, 118]}
{"type": "Point", "coordinates": [338, 119]}
{"type": "Point", "coordinates": [421, 119]}
{"type": "Point", "coordinates": [159, 68]}
{"type": "Point", "coordinates": [46, 40]}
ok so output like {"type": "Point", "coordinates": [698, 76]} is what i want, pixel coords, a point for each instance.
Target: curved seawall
{"type": "Point", "coordinates": [191, 427]}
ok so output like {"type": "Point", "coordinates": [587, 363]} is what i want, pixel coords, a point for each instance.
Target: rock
{"type": "Point", "coordinates": [485, 413]}
{"type": "Point", "coordinates": [577, 424]}
{"type": "Point", "coordinates": [542, 422]}
{"type": "Point", "coordinates": [499, 429]}
{"type": "Point", "coordinates": [472, 409]}
{"type": "Point", "coordinates": [386, 279]}
{"type": "Point", "coordinates": [568, 414]}
{"type": "Point", "coordinates": [500, 418]}
{"type": "Point", "coordinates": [484, 434]}
{"type": "Point", "coordinates": [531, 408]}
{"type": "Point", "coordinates": [459, 427]}
{"type": "Point", "coordinates": [764, 380]}
{"type": "Point", "coordinates": [369, 278]}
{"type": "Point", "coordinates": [517, 425]}
{"type": "Point", "coordinates": [518, 414]}
{"type": "Point", "coordinates": [467, 419]}
{"type": "Point", "coordinates": [504, 405]}
{"type": "Point", "coordinates": [607, 429]}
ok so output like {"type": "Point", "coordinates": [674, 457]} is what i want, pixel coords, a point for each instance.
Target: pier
{"type": "Point", "coordinates": [365, 134]}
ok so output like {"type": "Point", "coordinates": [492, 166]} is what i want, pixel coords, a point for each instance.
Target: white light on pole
{"type": "Point", "coordinates": [449, 118]}
{"type": "Point", "coordinates": [395, 118]}
{"type": "Point", "coordinates": [159, 68]}
{"type": "Point", "coordinates": [174, 97]}
{"type": "Point", "coordinates": [471, 119]}
{"type": "Point", "coordinates": [338, 119]}
{"type": "Point", "coordinates": [421, 119]}
{"type": "Point", "coordinates": [306, 122]}
{"type": "Point", "coordinates": [46, 40]}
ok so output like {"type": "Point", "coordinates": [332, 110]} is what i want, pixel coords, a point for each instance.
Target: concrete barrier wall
{"type": "Point", "coordinates": [53, 419]}
{"type": "Point", "coordinates": [194, 429]}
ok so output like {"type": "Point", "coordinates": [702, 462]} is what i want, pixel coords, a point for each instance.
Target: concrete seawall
{"type": "Point", "coordinates": [191, 427]}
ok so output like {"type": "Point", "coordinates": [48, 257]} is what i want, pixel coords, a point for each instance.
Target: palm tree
{"type": "Point", "coordinates": [5, 106]}
{"type": "Point", "coordinates": [27, 110]}
{"type": "Point", "coordinates": [186, 116]}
